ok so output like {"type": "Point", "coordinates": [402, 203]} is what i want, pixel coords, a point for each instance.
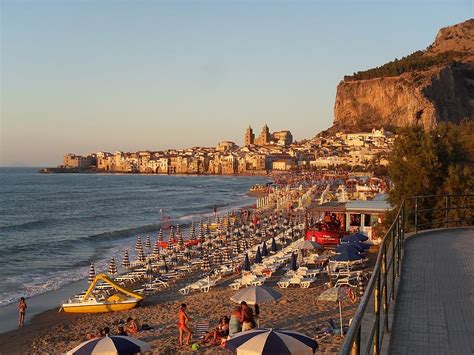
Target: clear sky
{"type": "Point", "coordinates": [84, 76]}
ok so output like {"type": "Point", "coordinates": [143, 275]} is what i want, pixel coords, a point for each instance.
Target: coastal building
{"type": "Point", "coordinates": [225, 146]}
{"type": "Point", "coordinates": [282, 138]}
{"type": "Point", "coordinates": [74, 161]}
{"type": "Point", "coordinates": [249, 136]}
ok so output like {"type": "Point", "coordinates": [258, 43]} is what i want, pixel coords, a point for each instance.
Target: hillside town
{"type": "Point", "coordinates": [268, 152]}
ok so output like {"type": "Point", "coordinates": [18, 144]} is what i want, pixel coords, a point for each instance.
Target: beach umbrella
{"type": "Point", "coordinates": [264, 249]}
{"type": "Point", "coordinates": [169, 246]}
{"type": "Point", "coordinates": [206, 263]}
{"type": "Point", "coordinates": [148, 242]}
{"type": "Point", "coordinates": [337, 294]}
{"type": "Point", "coordinates": [91, 275]}
{"type": "Point", "coordinates": [235, 248]}
{"type": "Point", "coordinates": [352, 247]}
{"type": "Point", "coordinates": [111, 345]}
{"type": "Point", "coordinates": [201, 231]}
{"type": "Point", "coordinates": [274, 247]}
{"type": "Point", "coordinates": [138, 244]}
{"type": "Point", "coordinates": [256, 294]}
{"type": "Point", "coordinates": [353, 238]}
{"type": "Point", "coordinates": [172, 236]}
{"type": "Point", "coordinates": [156, 248]}
{"type": "Point", "coordinates": [246, 266]}
{"type": "Point", "coordinates": [126, 260]}
{"type": "Point", "coordinates": [178, 229]}
{"type": "Point", "coordinates": [258, 256]}
{"type": "Point", "coordinates": [160, 236]}
{"type": "Point", "coordinates": [347, 254]}
{"type": "Point", "coordinates": [308, 245]}
{"type": "Point", "coordinates": [141, 255]}
{"type": "Point", "coordinates": [192, 235]}
{"type": "Point", "coordinates": [217, 259]}
{"type": "Point", "coordinates": [180, 239]}
{"type": "Point", "coordinates": [112, 267]}
{"type": "Point", "coordinates": [226, 255]}
{"type": "Point", "coordinates": [293, 265]}
{"type": "Point", "coordinates": [271, 341]}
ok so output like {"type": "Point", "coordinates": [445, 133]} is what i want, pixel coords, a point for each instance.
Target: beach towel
{"type": "Point", "coordinates": [201, 329]}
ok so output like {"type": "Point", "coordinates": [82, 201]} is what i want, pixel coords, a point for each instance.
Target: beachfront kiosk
{"type": "Point", "coordinates": [353, 216]}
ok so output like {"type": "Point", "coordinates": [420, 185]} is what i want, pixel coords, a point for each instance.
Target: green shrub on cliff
{"type": "Point", "coordinates": [416, 61]}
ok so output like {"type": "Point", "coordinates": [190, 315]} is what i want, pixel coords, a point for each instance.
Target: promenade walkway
{"type": "Point", "coordinates": [434, 311]}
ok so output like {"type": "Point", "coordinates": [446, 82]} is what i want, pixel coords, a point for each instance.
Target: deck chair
{"type": "Point", "coordinates": [201, 329]}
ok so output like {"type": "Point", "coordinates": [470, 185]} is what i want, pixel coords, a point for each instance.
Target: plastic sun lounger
{"type": "Point", "coordinates": [236, 285]}
{"type": "Point", "coordinates": [283, 283]}
{"type": "Point", "coordinates": [201, 329]}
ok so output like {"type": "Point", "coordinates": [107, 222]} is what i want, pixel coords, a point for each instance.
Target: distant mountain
{"type": "Point", "coordinates": [425, 87]}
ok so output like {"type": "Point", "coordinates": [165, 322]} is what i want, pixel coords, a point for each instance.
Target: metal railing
{"type": "Point", "coordinates": [371, 320]}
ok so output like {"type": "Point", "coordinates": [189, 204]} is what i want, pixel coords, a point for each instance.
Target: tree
{"type": "Point", "coordinates": [433, 163]}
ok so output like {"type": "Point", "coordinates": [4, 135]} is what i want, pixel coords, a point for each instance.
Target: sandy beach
{"type": "Point", "coordinates": [298, 309]}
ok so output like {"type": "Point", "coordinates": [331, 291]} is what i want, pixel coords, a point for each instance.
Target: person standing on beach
{"type": "Point", "coordinates": [183, 320]}
{"type": "Point", "coordinates": [21, 312]}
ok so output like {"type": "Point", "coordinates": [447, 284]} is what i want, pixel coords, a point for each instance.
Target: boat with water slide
{"type": "Point", "coordinates": [122, 300]}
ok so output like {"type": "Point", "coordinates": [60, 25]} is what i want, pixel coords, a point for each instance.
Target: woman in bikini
{"type": "Point", "coordinates": [183, 320]}
{"type": "Point", "coordinates": [21, 312]}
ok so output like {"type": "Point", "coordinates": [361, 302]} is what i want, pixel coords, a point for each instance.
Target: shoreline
{"type": "Point", "coordinates": [97, 171]}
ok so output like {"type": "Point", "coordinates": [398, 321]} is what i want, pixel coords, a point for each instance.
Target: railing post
{"type": "Point", "coordinates": [395, 244]}
{"type": "Point", "coordinates": [356, 344]}
{"type": "Point", "coordinates": [416, 215]}
{"type": "Point", "coordinates": [376, 345]}
{"type": "Point", "coordinates": [384, 287]}
{"type": "Point", "coordinates": [446, 209]}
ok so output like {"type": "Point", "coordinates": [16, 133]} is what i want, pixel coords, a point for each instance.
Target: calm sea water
{"type": "Point", "coordinates": [53, 226]}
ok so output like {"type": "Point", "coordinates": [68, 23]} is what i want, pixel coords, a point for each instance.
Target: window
{"type": "Point", "coordinates": [367, 220]}
{"type": "Point", "coordinates": [355, 219]}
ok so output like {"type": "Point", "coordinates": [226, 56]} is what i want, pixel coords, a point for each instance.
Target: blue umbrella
{"type": "Point", "coordinates": [264, 249]}
{"type": "Point", "coordinates": [347, 254]}
{"type": "Point", "coordinates": [352, 246]}
{"type": "Point", "coordinates": [352, 238]}
{"type": "Point", "coordinates": [258, 256]}
{"type": "Point", "coordinates": [361, 236]}
{"type": "Point", "coordinates": [293, 265]}
{"type": "Point", "coordinates": [246, 266]}
{"type": "Point", "coordinates": [274, 245]}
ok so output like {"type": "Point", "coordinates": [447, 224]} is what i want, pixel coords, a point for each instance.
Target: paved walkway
{"type": "Point", "coordinates": [434, 312]}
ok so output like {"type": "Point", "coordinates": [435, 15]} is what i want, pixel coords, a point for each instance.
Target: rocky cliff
{"type": "Point", "coordinates": [424, 88]}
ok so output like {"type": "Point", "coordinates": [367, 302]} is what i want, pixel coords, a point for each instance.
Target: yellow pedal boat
{"type": "Point", "coordinates": [117, 302]}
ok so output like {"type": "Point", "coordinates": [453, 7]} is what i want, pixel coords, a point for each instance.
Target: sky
{"type": "Point", "coordinates": [87, 76]}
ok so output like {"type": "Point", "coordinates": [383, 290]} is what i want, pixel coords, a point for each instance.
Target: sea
{"type": "Point", "coordinates": [52, 226]}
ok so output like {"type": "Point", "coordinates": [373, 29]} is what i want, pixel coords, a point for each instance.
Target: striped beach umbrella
{"type": "Point", "coordinates": [206, 263]}
{"type": "Point", "coordinates": [178, 230]}
{"type": "Point", "coordinates": [156, 248]}
{"type": "Point", "coordinates": [217, 258]}
{"type": "Point", "coordinates": [160, 236]}
{"type": "Point", "coordinates": [226, 255]}
{"type": "Point", "coordinates": [91, 275]}
{"type": "Point", "coordinates": [138, 244]}
{"type": "Point", "coordinates": [172, 237]}
{"type": "Point", "coordinates": [126, 260]}
{"type": "Point", "coordinates": [148, 242]}
{"type": "Point", "coordinates": [180, 239]}
{"type": "Point", "coordinates": [141, 255]}
{"type": "Point", "coordinates": [192, 232]}
{"type": "Point", "coordinates": [112, 267]}
{"type": "Point", "coordinates": [256, 295]}
{"type": "Point", "coordinates": [271, 341]}
{"type": "Point", "coordinates": [235, 249]}
{"type": "Point", "coordinates": [111, 345]}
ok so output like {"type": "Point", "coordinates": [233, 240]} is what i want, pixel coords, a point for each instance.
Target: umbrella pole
{"type": "Point", "coordinates": [340, 317]}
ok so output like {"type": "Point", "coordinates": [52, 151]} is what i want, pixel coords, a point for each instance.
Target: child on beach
{"type": "Point", "coordinates": [132, 326]}
{"type": "Point", "coordinates": [183, 320]}
{"type": "Point", "coordinates": [21, 312]}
